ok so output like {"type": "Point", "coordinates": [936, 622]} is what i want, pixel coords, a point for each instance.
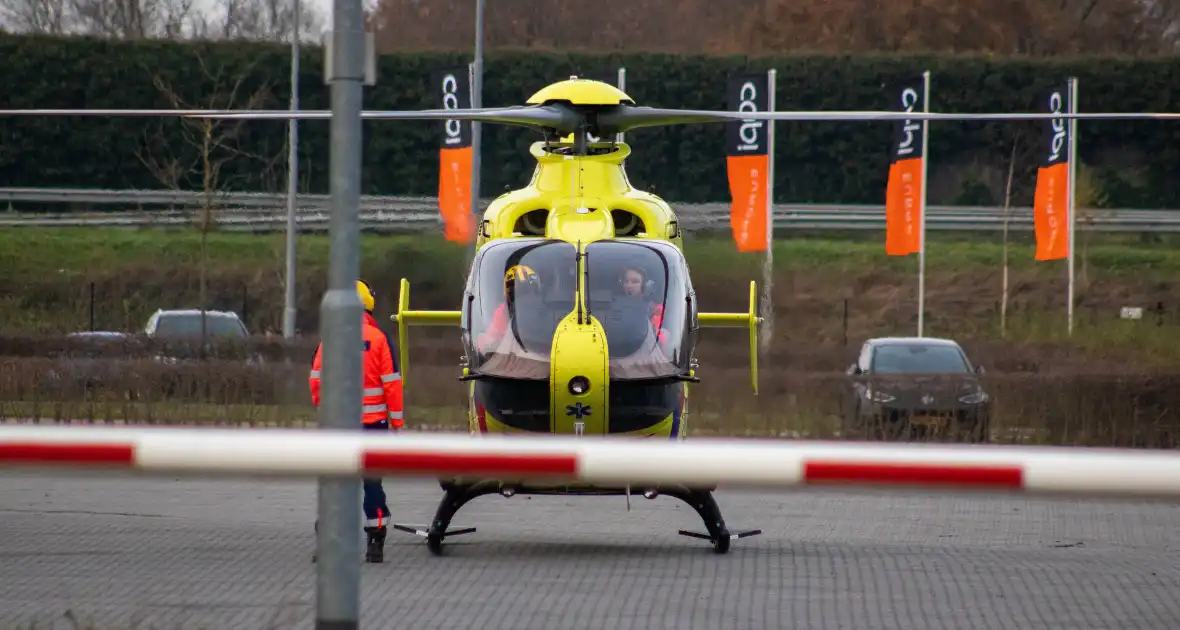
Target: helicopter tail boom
{"type": "Point", "coordinates": [738, 320]}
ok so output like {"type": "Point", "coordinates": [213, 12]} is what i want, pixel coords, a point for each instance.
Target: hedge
{"type": "Point", "coordinates": [1132, 163]}
{"type": "Point", "coordinates": [1125, 410]}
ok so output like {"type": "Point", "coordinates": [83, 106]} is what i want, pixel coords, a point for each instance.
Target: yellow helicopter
{"type": "Point", "coordinates": [579, 316]}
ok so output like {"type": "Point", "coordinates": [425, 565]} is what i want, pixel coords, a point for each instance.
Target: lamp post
{"type": "Point", "coordinates": [292, 180]}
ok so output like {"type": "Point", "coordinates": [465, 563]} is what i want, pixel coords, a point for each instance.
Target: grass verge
{"type": "Point", "coordinates": [827, 288]}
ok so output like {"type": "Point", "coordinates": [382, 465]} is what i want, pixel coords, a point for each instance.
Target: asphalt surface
{"type": "Point", "coordinates": [122, 552]}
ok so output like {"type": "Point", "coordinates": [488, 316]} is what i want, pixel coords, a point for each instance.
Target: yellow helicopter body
{"type": "Point", "coordinates": [581, 356]}
{"type": "Point", "coordinates": [576, 203]}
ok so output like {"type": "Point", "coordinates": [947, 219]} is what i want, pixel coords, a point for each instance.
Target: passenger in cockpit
{"type": "Point", "coordinates": [635, 284]}
{"type": "Point", "coordinates": [517, 280]}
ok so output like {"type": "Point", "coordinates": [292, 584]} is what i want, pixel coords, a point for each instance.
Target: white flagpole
{"type": "Point", "coordinates": [767, 306]}
{"type": "Point", "coordinates": [622, 85]}
{"type": "Point", "coordinates": [474, 83]}
{"type": "Point", "coordinates": [476, 101]}
{"type": "Point", "coordinates": [922, 207]}
{"type": "Point", "coordinates": [1071, 197]}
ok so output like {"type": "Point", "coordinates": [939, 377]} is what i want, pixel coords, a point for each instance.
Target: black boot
{"type": "Point", "coordinates": [375, 552]}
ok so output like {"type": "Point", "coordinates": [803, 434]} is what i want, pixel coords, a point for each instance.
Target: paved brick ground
{"type": "Point", "coordinates": [133, 553]}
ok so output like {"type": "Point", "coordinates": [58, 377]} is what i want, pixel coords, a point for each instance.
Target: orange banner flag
{"type": "Point", "coordinates": [454, 193]}
{"type": "Point", "coordinates": [904, 192]}
{"type": "Point", "coordinates": [747, 159]}
{"type": "Point", "coordinates": [454, 157]}
{"type": "Point", "coordinates": [1051, 203]}
{"type": "Point", "coordinates": [748, 188]}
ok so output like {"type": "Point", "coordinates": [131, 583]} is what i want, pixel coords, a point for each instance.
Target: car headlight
{"type": "Point", "coordinates": [974, 398]}
{"type": "Point", "coordinates": [879, 396]}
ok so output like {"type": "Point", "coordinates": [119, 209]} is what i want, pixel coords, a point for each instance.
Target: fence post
{"type": "Point", "coordinates": [844, 325]}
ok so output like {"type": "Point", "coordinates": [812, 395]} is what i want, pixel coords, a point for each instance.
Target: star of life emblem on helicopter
{"type": "Point", "coordinates": [577, 410]}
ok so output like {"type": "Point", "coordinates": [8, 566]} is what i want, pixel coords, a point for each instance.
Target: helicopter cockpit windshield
{"type": "Point", "coordinates": [639, 292]}
{"type": "Point", "coordinates": [521, 290]}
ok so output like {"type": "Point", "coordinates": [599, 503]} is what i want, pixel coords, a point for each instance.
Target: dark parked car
{"type": "Point", "coordinates": [915, 386]}
{"type": "Point", "coordinates": [184, 325]}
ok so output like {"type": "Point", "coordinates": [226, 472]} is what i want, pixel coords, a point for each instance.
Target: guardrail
{"type": "Point", "coordinates": [267, 212]}
{"type": "Point", "coordinates": [611, 461]}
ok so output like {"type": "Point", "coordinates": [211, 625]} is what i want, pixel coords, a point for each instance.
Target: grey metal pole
{"type": "Point", "coordinates": [339, 540]}
{"type": "Point", "coordinates": [1072, 204]}
{"type": "Point", "coordinates": [292, 181]}
{"type": "Point", "coordinates": [922, 207]}
{"type": "Point", "coordinates": [476, 102]}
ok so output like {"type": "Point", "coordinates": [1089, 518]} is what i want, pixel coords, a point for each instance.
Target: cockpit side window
{"type": "Point", "coordinates": [638, 292]}
{"type": "Point", "coordinates": [523, 289]}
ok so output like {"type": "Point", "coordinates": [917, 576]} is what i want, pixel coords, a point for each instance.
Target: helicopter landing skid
{"type": "Point", "coordinates": [706, 507]}
{"type": "Point", "coordinates": [459, 494]}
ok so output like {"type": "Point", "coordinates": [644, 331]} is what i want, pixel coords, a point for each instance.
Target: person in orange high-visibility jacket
{"type": "Point", "coordinates": [381, 410]}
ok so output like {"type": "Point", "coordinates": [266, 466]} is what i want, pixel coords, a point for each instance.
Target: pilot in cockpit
{"type": "Point", "coordinates": [635, 284]}
{"type": "Point", "coordinates": [519, 279]}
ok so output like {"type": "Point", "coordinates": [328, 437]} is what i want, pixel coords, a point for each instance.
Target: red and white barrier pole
{"type": "Point", "coordinates": [606, 461]}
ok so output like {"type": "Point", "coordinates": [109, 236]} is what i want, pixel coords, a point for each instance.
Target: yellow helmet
{"type": "Point", "coordinates": [520, 274]}
{"type": "Point", "coordinates": [366, 294]}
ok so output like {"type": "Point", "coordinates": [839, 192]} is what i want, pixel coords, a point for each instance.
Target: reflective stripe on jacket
{"type": "Point", "coordinates": [380, 379]}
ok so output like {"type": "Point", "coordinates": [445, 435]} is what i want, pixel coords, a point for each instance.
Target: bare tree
{"type": "Point", "coordinates": [267, 20]}
{"type": "Point", "coordinates": [208, 145]}
{"type": "Point", "coordinates": [263, 20]}
{"type": "Point", "coordinates": [1033, 27]}
{"type": "Point", "coordinates": [51, 17]}
{"type": "Point", "coordinates": [134, 19]}
{"type": "Point", "coordinates": [121, 19]}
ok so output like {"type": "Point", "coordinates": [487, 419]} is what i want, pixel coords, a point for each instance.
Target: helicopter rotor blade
{"type": "Point", "coordinates": [535, 116]}
{"type": "Point", "coordinates": [565, 118]}
{"type": "Point", "coordinates": [625, 119]}
{"type": "Point", "coordinates": [528, 116]}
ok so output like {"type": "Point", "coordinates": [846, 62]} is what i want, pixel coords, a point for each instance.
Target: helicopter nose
{"type": "Point", "coordinates": [579, 379]}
